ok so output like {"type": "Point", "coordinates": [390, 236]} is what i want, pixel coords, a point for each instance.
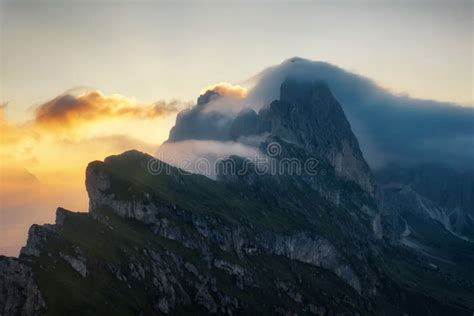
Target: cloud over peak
{"type": "Point", "coordinates": [391, 127]}
{"type": "Point", "coordinates": [228, 90]}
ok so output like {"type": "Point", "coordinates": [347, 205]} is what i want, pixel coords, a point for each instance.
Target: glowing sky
{"type": "Point", "coordinates": [162, 50]}
{"type": "Point", "coordinates": [136, 58]}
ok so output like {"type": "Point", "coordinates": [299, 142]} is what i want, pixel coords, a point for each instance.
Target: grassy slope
{"type": "Point", "coordinates": [68, 293]}
{"type": "Point", "coordinates": [284, 207]}
{"type": "Point", "coordinates": [100, 293]}
{"type": "Point", "coordinates": [452, 281]}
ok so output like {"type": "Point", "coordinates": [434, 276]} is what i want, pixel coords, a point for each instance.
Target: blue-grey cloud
{"type": "Point", "coordinates": [390, 127]}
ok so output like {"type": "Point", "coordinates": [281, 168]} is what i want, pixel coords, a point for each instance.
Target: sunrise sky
{"type": "Point", "coordinates": [81, 80]}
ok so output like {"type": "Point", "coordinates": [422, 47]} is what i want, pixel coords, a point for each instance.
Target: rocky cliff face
{"type": "Point", "coordinates": [162, 217]}
{"type": "Point", "coordinates": [307, 114]}
{"type": "Point", "coordinates": [153, 275]}
{"type": "Point", "coordinates": [19, 294]}
{"type": "Point", "coordinates": [434, 191]}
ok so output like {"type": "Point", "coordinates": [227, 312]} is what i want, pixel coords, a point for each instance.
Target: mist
{"type": "Point", "coordinates": [201, 157]}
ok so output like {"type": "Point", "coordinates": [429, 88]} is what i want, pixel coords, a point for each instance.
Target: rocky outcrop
{"type": "Point", "coordinates": [78, 263]}
{"type": "Point", "coordinates": [310, 249]}
{"type": "Point", "coordinates": [36, 237]}
{"type": "Point", "coordinates": [19, 294]}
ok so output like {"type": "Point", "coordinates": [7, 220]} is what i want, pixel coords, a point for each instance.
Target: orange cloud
{"type": "Point", "coordinates": [67, 111]}
{"type": "Point", "coordinates": [228, 90]}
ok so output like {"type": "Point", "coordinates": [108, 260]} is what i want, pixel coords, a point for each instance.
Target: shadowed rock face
{"type": "Point", "coordinates": [446, 186]}
{"type": "Point", "coordinates": [308, 114]}
{"type": "Point", "coordinates": [434, 191]}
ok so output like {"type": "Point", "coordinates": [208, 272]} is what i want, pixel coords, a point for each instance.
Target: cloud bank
{"type": "Point", "coordinates": [390, 127]}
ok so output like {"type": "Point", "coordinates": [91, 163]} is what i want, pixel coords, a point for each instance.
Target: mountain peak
{"type": "Point", "coordinates": [309, 115]}
{"type": "Point", "coordinates": [295, 59]}
{"type": "Point", "coordinates": [208, 96]}
{"type": "Point", "coordinates": [306, 114]}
